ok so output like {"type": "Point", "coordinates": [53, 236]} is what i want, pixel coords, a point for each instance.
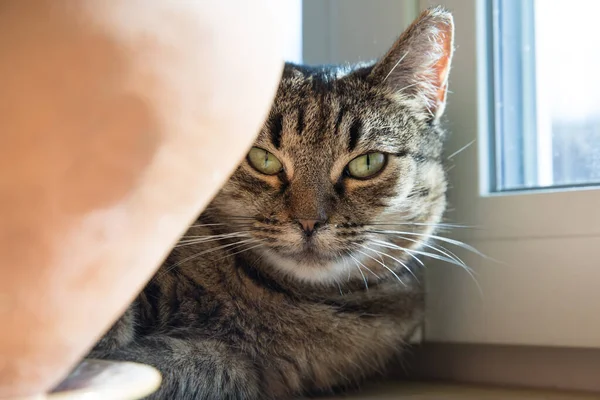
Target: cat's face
{"type": "Point", "coordinates": [346, 157]}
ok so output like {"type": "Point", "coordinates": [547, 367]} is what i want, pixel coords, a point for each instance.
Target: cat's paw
{"type": "Point", "coordinates": [196, 369]}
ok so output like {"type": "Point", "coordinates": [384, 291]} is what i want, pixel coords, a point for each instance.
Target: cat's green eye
{"type": "Point", "coordinates": [264, 162]}
{"type": "Point", "coordinates": [366, 166]}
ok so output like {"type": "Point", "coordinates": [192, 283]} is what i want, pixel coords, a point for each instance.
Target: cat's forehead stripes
{"type": "Point", "coordinates": [322, 119]}
{"type": "Point", "coordinates": [354, 134]}
{"type": "Point", "coordinates": [300, 120]}
{"type": "Point", "coordinates": [275, 126]}
{"type": "Point", "coordinates": [339, 119]}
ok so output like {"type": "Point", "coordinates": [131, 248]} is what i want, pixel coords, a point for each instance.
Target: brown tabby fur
{"type": "Point", "coordinates": [248, 306]}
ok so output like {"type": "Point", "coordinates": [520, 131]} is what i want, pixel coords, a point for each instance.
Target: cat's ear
{"type": "Point", "coordinates": [418, 63]}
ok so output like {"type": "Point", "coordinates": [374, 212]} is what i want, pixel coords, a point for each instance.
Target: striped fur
{"type": "Point", "coordinates": [248, 306]}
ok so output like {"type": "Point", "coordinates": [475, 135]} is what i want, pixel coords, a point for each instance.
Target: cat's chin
{"type": "Point", "coordinates": [309, 266]}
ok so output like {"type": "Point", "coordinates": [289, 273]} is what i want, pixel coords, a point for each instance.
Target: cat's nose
{"type": "Point", "coordinates": [309, 225]}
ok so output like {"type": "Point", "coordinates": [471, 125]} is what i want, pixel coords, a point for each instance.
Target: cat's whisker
{"type": "Point", "coordinates": [212, 224]}
{"type": "Point", "coordinates": [457, 152]}
{"type": "Point", "coordinates": [380, 258]}
{"type": "Point", "coordinates": [228, 219]}
{"type": "Point", "coordinates": [429, 255]}
{"type": "Point", "coordinates": [465, 267]}
{"type": "Point", "coordinates": [416, 258]}
{"type": "Point", "coordinates": [444, 257]}
{"type": "Point", "coordinates": [214, 235]}
{"type": "Point", "coordinates": [346, 266]}
{"type": "Point", "coordinates": [194, 256]}
{"type": "Point", "coordinates": [441, 249]}
{"type": "Point", "coordinates": [244, 250]}
{"type": "Point", "coordinates": [231, 245]}
{"type": "Point", "coordinates": [383, 265]}
{"type": "Point", "coordinates": [361, 273]}
{"type": "Point", "coordinates": [438, 248]}
{"type": "Point", "coordinates": [233, 229]}
{"type": "Point", "coordinates": [447, 258]}
{"type": "Point", "coordinates": [364, 266]}
{"type": "Point", "coordinates": [211, 238]}
{"type": "Point", "coordinates": [237, 226]}
{"type": "Point", "coordinates": [406, 250]}
{"type": "Point", "coordinates": [440, 225]}
{"type": "Point", "coordinates": [454, 242]}
{"type": "Point", "coordinates": [393, 258]}
{"type": "Point", "coordinates": [253, 218]}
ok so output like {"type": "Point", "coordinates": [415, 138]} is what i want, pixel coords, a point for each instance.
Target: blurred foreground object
{"type": "Point", "coordinates": [118, 123]}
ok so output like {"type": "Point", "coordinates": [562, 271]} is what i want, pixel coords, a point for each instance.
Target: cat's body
{"type": "Point", "coordinates": [219, 329]}
{"type": "Point", "coordinates": [302, 274]}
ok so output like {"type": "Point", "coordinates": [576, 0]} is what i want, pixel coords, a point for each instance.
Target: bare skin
{"type": "Point", "coordinates": [108, 149]}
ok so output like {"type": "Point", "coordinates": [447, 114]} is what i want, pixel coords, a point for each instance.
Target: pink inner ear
{"type": "Point", "coordinates": [442, 66]}
{"type": "Point", "coordinates": [441, 94]}
{"type": "Point", "coordinates": [418, 64]}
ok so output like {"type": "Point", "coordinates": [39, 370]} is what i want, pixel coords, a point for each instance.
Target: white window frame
{"type": "Point", "coordinates": [545, 289]}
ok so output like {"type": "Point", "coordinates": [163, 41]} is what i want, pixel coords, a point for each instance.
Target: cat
{"type": "Point", "coordinates": [302, 275]}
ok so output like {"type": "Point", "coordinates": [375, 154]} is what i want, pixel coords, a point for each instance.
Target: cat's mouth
{"type": "Point", "coordinates": [315, 246]}
{"type": "Point", "coordinates": [311, 253]}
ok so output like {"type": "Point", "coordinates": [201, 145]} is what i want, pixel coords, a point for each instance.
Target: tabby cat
{"type": "Point", "coordinates": [302, 274]}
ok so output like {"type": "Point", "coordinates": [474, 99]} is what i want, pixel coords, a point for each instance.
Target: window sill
{"type": "Point", "coordinates": [430, 391]}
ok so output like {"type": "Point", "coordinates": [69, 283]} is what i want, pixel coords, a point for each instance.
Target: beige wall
{"type": "Point", "coordinates": [514, 366]}
{"type": "Point", "coordinates": [353, 30]}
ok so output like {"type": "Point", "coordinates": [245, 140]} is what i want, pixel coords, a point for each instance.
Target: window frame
{"type": "Point", "coordinates": [505, 61]}
{"type": "Point", "coordinates": [518, 103]}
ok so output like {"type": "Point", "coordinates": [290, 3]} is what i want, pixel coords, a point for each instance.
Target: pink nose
{"type": "Point", "coordinates": [309, 225]}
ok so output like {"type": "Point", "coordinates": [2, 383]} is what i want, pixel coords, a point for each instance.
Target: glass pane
{"type": "Point", "coordinates": [546, 61]}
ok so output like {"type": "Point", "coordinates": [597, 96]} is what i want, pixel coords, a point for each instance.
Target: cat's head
{"type": "Point", "coordinates": [348, 166]}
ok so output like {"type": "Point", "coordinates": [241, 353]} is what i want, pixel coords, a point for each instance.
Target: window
{"type": "Point", "coordinates": [546, 93]}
